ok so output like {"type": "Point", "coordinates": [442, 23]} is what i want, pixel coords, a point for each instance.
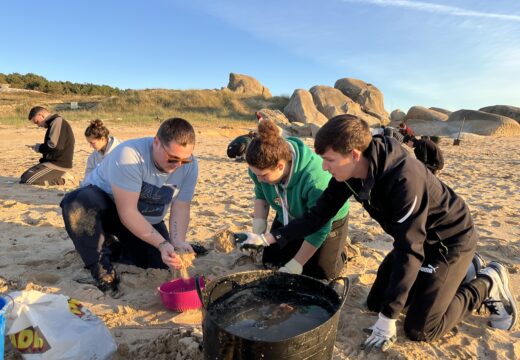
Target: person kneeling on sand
{"type": "Point", "coordinates": [128, 196]}
{"type": "Point", "coordinates": [432, 270]}
{"type": "Point", "coordinates": [99, 138]}
{"type": "Point", "coordinates": [288, 178]}
{"type": "Point", "coordinates": [57, 149]}
{"type": "Point", "coordinates": [427, 152]}
{"type": "Point", "coordinates": [237, 148]}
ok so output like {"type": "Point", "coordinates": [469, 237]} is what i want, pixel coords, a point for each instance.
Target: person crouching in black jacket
{"type": "Point", "coordinates": [237, 148]}
{"type": "Point", "coordinates": [427, 152]}
{"type": "Point", "coordinates": [432, 269]}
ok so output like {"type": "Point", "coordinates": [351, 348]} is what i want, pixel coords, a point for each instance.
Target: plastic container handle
{"type": "Point", "coordinates": [199, 291]}
{"type": "Point", "coordinates": [346, 287]}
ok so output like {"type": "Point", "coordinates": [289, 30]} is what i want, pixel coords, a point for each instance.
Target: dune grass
{"type": "Point", "coordinates": [144, 107]}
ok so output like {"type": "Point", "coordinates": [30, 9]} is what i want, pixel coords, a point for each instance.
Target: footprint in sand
{"type": "Point", "coordinates": [206, 213]}
{"type": "Point", "coordinates": [30, 219]}
{"type": "Point", "coordinates": [44, 278]}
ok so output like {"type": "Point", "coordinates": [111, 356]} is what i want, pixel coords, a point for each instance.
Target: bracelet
{"type": "Point", "coordinates": [162, 244]}
{"type": "Point", "coordinates": [262, 236]}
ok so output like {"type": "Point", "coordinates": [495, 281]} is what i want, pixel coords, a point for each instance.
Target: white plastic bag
{"type": "Point", "coordinates": [47, 326]}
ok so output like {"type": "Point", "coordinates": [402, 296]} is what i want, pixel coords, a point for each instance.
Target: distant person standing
{"type": "Point", "coordinates": [99, 138]}
{"type": "Point", "coordinates": [427, 152]}
{"type": "Point", "coordinates": [57, 149]}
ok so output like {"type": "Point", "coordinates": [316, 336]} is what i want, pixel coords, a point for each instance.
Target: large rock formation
{"type": "Point", "coordinates": [483, 123]}
{"type": "Point", "coordinates": [422, 113]}
{"type": "Point", "coordinates": [431, 127]}
{"type": "Point", "coordinates": [247, 85]}
{"type": "Point", "coordinates": [441, 110]}
{"type": "Point", "coordinates": [301, 108]}
{"type": "Point", "coordinates": [512, 112]}
{"type": "Point", "coordinates": [286, 127]}
{"type": "Point", "coordinates": [369, 97]}
{"type": "Point", "coordinates": [397, 116]}
{"type": "Point", "coordinates": [332, 102]}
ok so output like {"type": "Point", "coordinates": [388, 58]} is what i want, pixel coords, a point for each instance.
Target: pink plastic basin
{"type": "Point", "coordinates": [181, 294]}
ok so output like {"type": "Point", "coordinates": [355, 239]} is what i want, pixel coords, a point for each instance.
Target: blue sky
{"type": "Point", "coordinates": [451, 54]}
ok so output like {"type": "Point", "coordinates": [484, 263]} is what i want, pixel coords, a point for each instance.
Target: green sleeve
{"type": "Point", "coordinates": [316, 239]}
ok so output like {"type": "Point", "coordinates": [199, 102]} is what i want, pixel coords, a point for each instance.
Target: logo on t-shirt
{"type": "Point", "coordinates": [153, 199]}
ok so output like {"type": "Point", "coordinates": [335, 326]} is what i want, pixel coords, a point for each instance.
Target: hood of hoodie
{"type": "Point", "coordinates": [383, 154]}
{"type": "Point", "coordinates": [304, 157]}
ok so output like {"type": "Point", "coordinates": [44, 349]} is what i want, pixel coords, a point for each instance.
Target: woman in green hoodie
{"type": "Point", "coordinates": [289, 178]}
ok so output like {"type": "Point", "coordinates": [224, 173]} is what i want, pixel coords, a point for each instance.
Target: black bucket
{"type": "Point", "coordinates": [314, 306]}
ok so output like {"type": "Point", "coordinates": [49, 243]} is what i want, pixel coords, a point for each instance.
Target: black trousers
{"type": "Point", "coordinates": [90, 217]}
{"type": "Point", "coordinates": [42, 175]}
{"type": "Point", "coordinates": [326, 263]}
{"type": "Point", "coordinates": [437, 301]}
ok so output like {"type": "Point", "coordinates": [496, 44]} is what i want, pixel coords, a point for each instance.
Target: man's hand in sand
{"type": "Point", "coordinates": [168, 255]}
{"type": "Point", "coordinates": [183, 247]}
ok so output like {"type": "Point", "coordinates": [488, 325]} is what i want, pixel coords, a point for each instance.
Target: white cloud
{"type": "Point", "coordinates": [436, 8]}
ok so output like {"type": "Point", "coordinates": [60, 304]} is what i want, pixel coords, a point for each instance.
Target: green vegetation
{"type": "Point", "coordinates": [39, 83]}
{"type": "Point", "coordinates": [140, 107]}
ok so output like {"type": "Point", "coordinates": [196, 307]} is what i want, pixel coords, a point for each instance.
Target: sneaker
{"type": "Point", "coordinates": [106, 280]}
{"type": "Point", "coordinates": [500, 302]}
{"type": "Point", "coordinates": [474, 268]}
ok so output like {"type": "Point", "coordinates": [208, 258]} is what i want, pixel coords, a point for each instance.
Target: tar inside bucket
{"type": "Point", "coordinates": [271, 315]}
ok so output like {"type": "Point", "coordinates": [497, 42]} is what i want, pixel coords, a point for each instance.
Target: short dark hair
{"type": "Point", "coordinates": [97, 130]}
{"type": "Point", "coordinates": [35, 110]}
{"type": "Point", "coordinates": [342, 134]}
{"type": "Point", "coordinates": [176, 129]}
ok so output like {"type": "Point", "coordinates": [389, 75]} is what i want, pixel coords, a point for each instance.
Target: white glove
{"type": "Point", "coordinates": [259, 225]}
{"type": "Point", "coordinates": [292, 267]}
{"type": "Point", "coordinates": [383, 334]}
{"type": "Point", "coordinates": [250, 241]}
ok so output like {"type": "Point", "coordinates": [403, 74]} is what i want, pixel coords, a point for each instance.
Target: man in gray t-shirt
{"type": "Point", "coordinates": [128, 196]}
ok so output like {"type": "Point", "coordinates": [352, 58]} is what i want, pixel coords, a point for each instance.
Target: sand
{"type": "Point", "coordinates": [36, 253]}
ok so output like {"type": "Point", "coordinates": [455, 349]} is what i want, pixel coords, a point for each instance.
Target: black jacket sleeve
{"type": "Point", "coordinates": [53, 138]}
{"type": "Point", "coordinates": [327, 206]}
{"type": "Point", "coordinates": [408, 213]}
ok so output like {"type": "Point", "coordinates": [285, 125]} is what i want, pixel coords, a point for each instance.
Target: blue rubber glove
{"type": "Point", "coordinates": [383, 334]}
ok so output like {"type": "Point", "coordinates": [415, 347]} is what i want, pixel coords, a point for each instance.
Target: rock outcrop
{"type": "Point", "coordinates": [301, 108]}
{"type": "Point", "coordinates": [397, 116]}
{"type": "Point", "coordinates": [441, 110]}
{"type": "Point", "coordinates": [422, 113]}
{"type": "Point", "coordinates": [369, 97]}
{"type": "Point", "coordinates": [512, 112]}
{"type": "Point", "coordinates": [483, 123]}
{"type": "Point", "coordinates": [248, 85]}
{"type": "Point", "coordinates": [332, 102]}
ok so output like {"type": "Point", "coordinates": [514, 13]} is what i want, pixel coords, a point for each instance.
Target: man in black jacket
{"type": "Point", "coordinates": [427, 152]}
{"type": "Point", "coordinates": [434, 236]}
{"type": "Point", "coordinates": [57, 149]}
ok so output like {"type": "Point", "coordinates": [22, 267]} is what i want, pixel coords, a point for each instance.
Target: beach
{"type": "Point", "coordinates": [36, 253]}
